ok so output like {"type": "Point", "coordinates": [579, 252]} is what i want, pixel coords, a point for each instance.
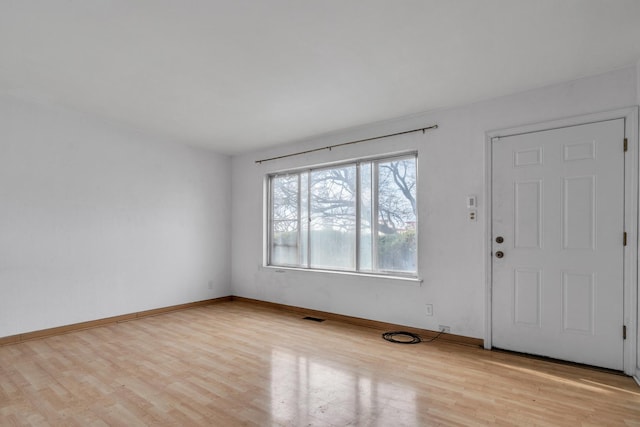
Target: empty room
{"type": "Point", "coordinates": [319, 213]}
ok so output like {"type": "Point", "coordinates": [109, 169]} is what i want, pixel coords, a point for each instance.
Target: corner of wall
{"type": "Point", "coordinates": [638, 82]}
{"type": "Point", "coordinates": [637, 376]}
{"type": "Point", "coordinates": [100, 220]}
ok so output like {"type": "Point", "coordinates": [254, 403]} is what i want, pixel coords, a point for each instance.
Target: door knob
{"type": "Point", "coordinates": [499, 254]}
{"type": "Point", "coordinates": [499, 239]}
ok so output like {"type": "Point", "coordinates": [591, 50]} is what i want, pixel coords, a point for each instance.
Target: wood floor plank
{"type": "Point", "coordinates": [244, 364]}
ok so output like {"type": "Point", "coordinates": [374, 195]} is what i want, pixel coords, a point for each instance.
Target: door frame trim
{"type": "Point", "coordinates": [630, 285]}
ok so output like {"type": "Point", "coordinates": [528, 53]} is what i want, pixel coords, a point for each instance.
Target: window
{"type": "Point", "coordinates": [358, 216]}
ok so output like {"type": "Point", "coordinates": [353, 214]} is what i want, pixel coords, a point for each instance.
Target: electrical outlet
{"type": "Point", "coordinates": [429, 310]}
{"type": "Point", "coordinates": [444, 328]}
{"type": "Point", "coordinates": [210, 284]}
{"type": "Point", "coordinates": [473, 215]}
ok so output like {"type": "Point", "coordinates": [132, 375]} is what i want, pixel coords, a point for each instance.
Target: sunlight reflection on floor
{"type": "Point", "coordinates": [598, 388]}
{"type": "Point", "coordinates": [306, 391]}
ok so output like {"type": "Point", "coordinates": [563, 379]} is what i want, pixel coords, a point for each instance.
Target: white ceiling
{"type": "Point", "coordinates": [236, 75]}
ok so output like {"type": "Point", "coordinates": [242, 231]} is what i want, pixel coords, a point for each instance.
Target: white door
{"type": "Point", "coordinates": [558, 209]}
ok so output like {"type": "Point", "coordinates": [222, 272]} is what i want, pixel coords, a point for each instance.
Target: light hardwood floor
{"type": "Point", "coordinates": [238, 363]}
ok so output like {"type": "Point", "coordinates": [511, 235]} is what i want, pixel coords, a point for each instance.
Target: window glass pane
{"type": "Point", "coordinates": [285, 220]}
{"type": "Point", "coordinates": [328, 218]}
{"type": "Point", "coordinates": [333, 219]}
{"type": "Point", "coordinates": [366, 213]}
{"type": "Point", "coordinates": [396, 242]}
{"type": "Point", "coordinates": [304, 218]}
{"type": "Point", "coordinates": [285, 243]}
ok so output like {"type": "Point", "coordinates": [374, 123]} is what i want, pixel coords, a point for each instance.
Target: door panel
{"type": "Point", "coordinates": [528, 214]}
{"type": "Point", "coordinates": [558, 203]}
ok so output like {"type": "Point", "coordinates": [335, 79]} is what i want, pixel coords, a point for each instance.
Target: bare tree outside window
{"type": "Point", "coordinates": [397, 215]}
{"type": "Point", "coordinates": [333, 218]}
{"type": "Point", "coordinates": [285, 220]}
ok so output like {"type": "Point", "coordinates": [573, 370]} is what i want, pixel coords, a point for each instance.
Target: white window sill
{"type": "Point", "coordinates": [407, 279]}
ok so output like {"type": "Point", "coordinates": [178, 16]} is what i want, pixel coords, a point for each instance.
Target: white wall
{"type": "Point", "coordinates": [97, 221]}
{"type": "Point", "coordinates": [451, 249]}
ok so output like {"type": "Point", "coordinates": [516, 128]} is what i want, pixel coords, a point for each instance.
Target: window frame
{"type": "Point", "coordinates": [306, 266]}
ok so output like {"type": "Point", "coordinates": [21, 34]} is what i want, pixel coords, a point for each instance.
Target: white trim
{"type": "Point", "coordinates": [488, 255]}
{"type": "Point", "coordinates": [631, 250]}
{"type": "Point", "coordinates": [283, 269]}
{"type": "Point", "coordinates": [266, 203]}
{"type": "Point", "coordinates": [623, 113]}
{"type": "Point", "coordinates": [374, 162]}
{"type": "Point", "coordinates": [346, 161]}
{"type": "Point", "coordinates": [630, 304]}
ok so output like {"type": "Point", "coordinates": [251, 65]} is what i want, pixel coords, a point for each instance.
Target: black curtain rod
{"type": "Point", "coordinates": [329, 147]}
